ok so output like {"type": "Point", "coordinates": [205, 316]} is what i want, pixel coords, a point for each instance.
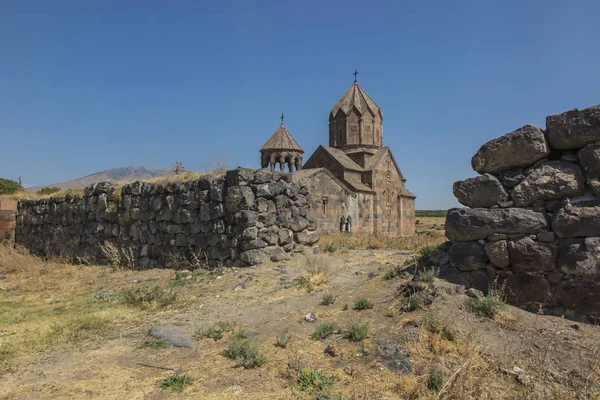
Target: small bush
{"type": "Point", "coordinates": [148, 297]}
{"type": "Point", "coordinates": [283, 339]}
{"type": "Point", "coordinates": [105, 296]}
{"type": "Point", "coordinates": [245, 351]}
{"type": "Point", "coordinates": [362, 304]}
{"type": "Point", "coordinates": [155, 344]}
{"type": "Point", "coordinates": [313, 380]}
{"type": "Point", "coordinates": [176, 382]}
{"type": "Point", "coordinates": [413, 302]}
{"type": "Point", "coordinates": [345, 308]}
{"type": "Point", "coordinates": [48, 190]}
{"type": "Point", "coordinates": [486, 306]}
{"type": "Point", "coordinates": [215, 332]}
{"type": "Point", "coordinates": [427, 275]}
{"type": "Point", "coordinates": [425, 254]}
{"type": "Point", "coordinates": [328, 299]}
{"type": "Point", "coordinates": [8, 186]}
{"type": "Point", "coordinates": [392, 273]}
{"type": "Point", "coordinates": [444, 329]}
{"type": "Point", "coordinates": [356, 332]}
{"type": "Point", "coordinates": [435, 380]}
{"type": "Point", "coordinates": [324, 330]}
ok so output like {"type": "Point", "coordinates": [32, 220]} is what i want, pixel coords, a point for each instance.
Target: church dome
{"type": "Point", "coordinates": [356, 97]}
{"type": "Point", "coordinates": [282, 149]}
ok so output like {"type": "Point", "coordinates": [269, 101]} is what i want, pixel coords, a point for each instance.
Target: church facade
{"type": "Point", "coordinates": [355, 182]}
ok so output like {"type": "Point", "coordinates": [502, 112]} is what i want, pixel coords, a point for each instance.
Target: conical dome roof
{"type": "Point", "coordinates": [282, 139]}
{"type": "Point", "coordinates": [356, 97]}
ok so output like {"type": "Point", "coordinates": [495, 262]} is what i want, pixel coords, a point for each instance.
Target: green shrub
{"type": "Point", "coordinates": [148, 297]}
{"type": "Point", "coordinates": [486, 306]}
{"type": "Point", "coordinates": [362, 304]}
{"type": "Point", "coordinates": [245, 351]}
{"type": "Point", "coordinates": [283, 339]}
{"type": "Point", "coordinates": [427, 275]}
{"type": "Point", "coordinates": [155, 344]}
{"type": "Point", "coordinates": [49, 190]}
{"type": "Point", "coordinates": [215, 332]}
{"type": "Point", "coordinates": [9, 187]}
{"type": "Point", "coordinates": [176, 382]}
{"type": "Point", "coordinates": [328, 299]}
{"type": "Point", "coordinates": [424, 254]}
{"type": "Point", "coordinates": [413, 302]}
{"type": "Point", "coordinates": [393, 272]}
{"type": "Point", "coordinates": [435, 380]}
{"type": "Point", "coordinates": [430, 213]}
{"type": "Point", "coordinates": [324, 330]}
{"type": "Point", "coordinates": [443, 328]}
{"type": "Point", "coordinates": [356, 332]}
{"type": "Point", "coordinates": [313, 380]}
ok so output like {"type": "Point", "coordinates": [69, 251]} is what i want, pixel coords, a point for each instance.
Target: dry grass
{"type": "Point", "coordinates": [65, 333]}
{"type": "Point", "coordinates": [410, 243]}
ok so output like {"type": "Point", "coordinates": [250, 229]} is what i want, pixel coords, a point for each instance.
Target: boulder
{"type": "Point", "coordinates": [240, 176]}
{"type": "Point", "coordinates": [253, 257]}
{"type": "Point", "coordinates": [523, 288]}
{"type": "Point", "coordinates": [589, 159]}
{"type": "Point", "coordinates": [580, 257]}
{"type": "Point", "coordinates": [497, 252]}
{"type": "Point", "coordinates": [594, 185]}
{"type": "Point", "coordinates": [238, 198]}
{"type": "Point", "coordinates": [176, 336]}
{"type": "Point", "coordinates": [520, 148]}
{"type": "Point", "coordinates": [574, 129]}
{"type": "Point", "coordinates": [481, 191]}
{"type": "Point", "coordinates": [468, 224]}
{"type": "Point", "coordinates": [306, 237]}
{"type": "Point", "coordinates": [580, 294]}
{"type": "Point", "coordinates": [572, 221]}
{"type": "Point", "coordinates": [467, 256]}
{"type": "Point", "coordinates": [269, 190]}
{"type": "Point", "coordinates": [552, 180]}
{"type": "Point", "coordinates": [527, 255]}
{"type": "Point", "coordinates": [511, 178]}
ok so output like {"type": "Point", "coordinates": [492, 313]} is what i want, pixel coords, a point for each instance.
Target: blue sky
{"type": "Point", "coordinates": [92, 85]}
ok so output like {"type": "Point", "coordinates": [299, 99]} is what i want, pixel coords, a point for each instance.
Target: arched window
{"type": "Point", "coordinates": [348, 224]}
{"type": "Point", "coordinates": [342, 224]}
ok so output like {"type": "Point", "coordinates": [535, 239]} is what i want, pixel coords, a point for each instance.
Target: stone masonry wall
{"type": "Point", "coordinates": [242, 218]}
{"type": "Point", "coordinates": [533, 216]}
{"type": "Point", "coordinates": [8, 211]}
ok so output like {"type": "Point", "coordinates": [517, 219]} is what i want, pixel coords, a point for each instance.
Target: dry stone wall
{"type": "Point", "coordinates": [533, 215]}
{"type": "Point", "coordinates": [242, 218]}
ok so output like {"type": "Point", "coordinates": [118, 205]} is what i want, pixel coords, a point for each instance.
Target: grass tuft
{"type": "Point", "coordinates": [435, 380]}
{"type": "Point", "coordinates": [215, 332]}
{"type": "Point", "coordinates": [363, 304]}
{"type": "Point", "coordinates": [328, 299]}
{"type": "Point", "coordinates": [488, 305]}
{"type": "Point", "coordinates": [313, 380]}
{"type": "Point", "coordinates": [283, 339]}
{"type": "Point", "coordinates": [393, 272]}
{"type": "Point", "coordinates": [176, 382]}
{"type": "Point", "coordinates": [155, 344]}
{"type": "Point", "coordinates": [245, 351]}
{"type": "Point", "coordinates": [148, 297]}
{"type": "Point", "coordinates": [443, 328]}
{"type": "Point", "coordinates": [427, 275]}
{"type": "Point", "coordinates": [357, 332]}
{"type": "Point", "coordinates": [324, 330]}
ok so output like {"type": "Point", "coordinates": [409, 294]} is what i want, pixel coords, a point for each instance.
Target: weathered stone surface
{"type": "Point", "coordinates": [523, 288]}
{"type": "Point", "coordinates": [174, 335]}
{"type": "Point", "coordinates": [497, 252]}
{"type": "Point", "coordinates": [467, 224]}
{"type": "Point", "coordinates": [594, 185]}
{"type": "Point", "coordinates": [552, 180]}
{"type": "Point", "coordinates": [511, 178]}
{"type": "Point", "coordinates": [253, 257]}
{"type": "Point", "coordinates": [520, 148]}
{"type": "Point", "coordinates": [269, 190]}
{"type": "Point", "coordinates": [481, 191]}
{"type": "Point", "coordinates": [527, 255]}
{"type": "Point", "coordinates": [573, 221]}
{"type": "Point", "coordinates": [580, 294]}
{"type": "Point", "coordinates": [574, 129]}
{"type": "Point", "coordinates": [589, 159]}
{"type": "Point", "coordinates": [240, 176]}
{"type": "Point", "coordinates": [238, 198]}
{"type": "Point", "coordinates": [580, 257]}
{"type": "Point", "coordinates": [468, 256]}
{"type": "Point", "coordinates": [307, 238]}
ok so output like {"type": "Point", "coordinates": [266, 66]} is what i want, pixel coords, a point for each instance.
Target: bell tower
{"type": "Point", "coordinates": [356, 121]}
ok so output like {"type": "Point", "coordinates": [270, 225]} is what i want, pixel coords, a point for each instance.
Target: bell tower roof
{"type": "Point", "coordinates": [356, 97]}
{"type": "Point", "coordinates": [282, 139]}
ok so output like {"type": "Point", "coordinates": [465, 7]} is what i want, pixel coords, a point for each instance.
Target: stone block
{"type": "Point", "coordinates": [574, 129]}
{"type": "Point", "coordinates": [481, 191]}
{"type": "Point", "coordinates": [468, 256]}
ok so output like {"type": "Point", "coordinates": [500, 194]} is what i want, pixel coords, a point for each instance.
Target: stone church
{"type": "Point", "coordinates": [355, 183]}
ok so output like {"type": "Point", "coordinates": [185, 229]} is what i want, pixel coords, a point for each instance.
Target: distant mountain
{"type": "Point", "coordinates": [127, 174]}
